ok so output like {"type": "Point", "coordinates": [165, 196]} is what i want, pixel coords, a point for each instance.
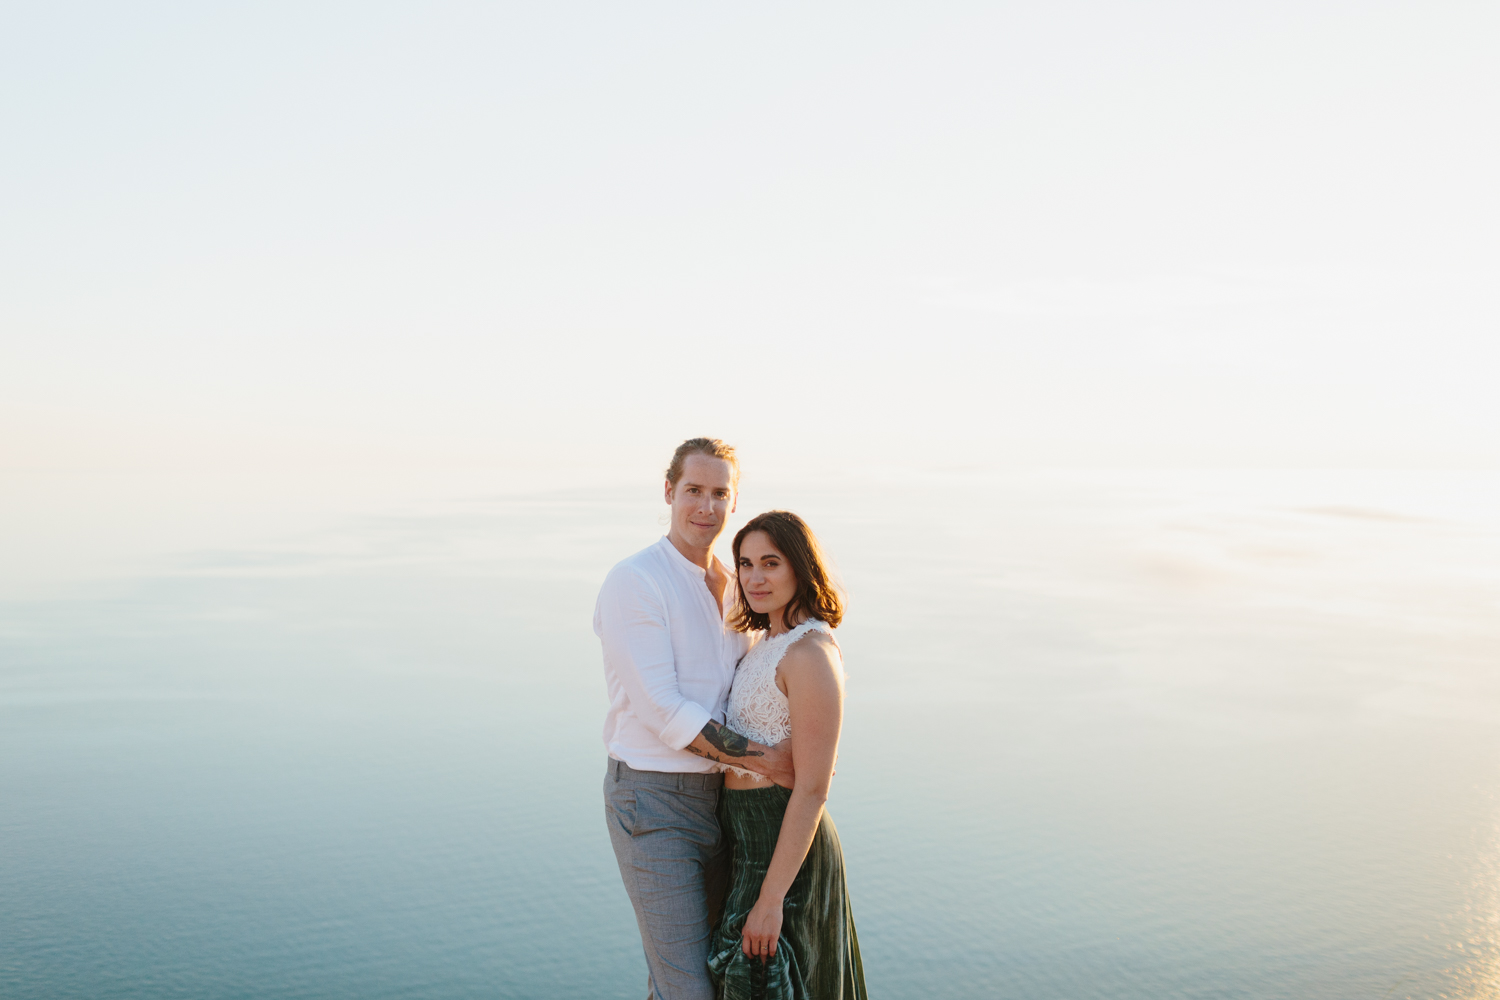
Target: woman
{"type": "Point", "coordinates": [786, 931]}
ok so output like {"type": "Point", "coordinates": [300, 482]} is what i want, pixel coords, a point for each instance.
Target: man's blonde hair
{"type": "Point", "coordinates": [713, 448]}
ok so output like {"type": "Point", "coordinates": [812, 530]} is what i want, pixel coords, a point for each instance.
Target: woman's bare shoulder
{"type": "Point", "coordinates": [814, 651]}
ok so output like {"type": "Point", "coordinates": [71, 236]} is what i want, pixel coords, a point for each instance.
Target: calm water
{"type": "Point", "coordinates": [1109, 735]}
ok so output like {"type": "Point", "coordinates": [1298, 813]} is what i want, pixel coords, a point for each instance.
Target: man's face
{"type": "Point", "coordinates": [702, 501]}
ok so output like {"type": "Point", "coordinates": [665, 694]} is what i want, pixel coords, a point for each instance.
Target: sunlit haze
{"type": "Point", "coordinates": [316, 236]}
{"type": "Point", "coordinates": [1135, 364]}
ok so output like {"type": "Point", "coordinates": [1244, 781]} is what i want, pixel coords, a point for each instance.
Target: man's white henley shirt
{"type": "Point", "coordinates": [669, 657]}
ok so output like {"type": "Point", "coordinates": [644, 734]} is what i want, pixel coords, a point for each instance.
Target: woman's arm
{"type": "Point", "coordinates": [813, 674]}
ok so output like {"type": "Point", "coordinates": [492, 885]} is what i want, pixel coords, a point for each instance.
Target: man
{"type": "Point", "coordinates": [669, 660]}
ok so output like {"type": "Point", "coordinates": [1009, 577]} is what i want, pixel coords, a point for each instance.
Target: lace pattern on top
{"type": "Point", "coordinates": [757, 708]}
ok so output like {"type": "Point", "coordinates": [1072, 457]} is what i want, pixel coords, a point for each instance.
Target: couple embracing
{"type": "Point", "coordinates": [715, 811]}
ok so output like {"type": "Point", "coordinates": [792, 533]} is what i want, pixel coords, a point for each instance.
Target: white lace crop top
{"type": "Point", "coordinates": [757, 708]}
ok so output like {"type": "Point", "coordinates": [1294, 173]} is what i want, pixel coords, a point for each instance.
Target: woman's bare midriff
{"type": "Point", "coordinates": [740, 783]}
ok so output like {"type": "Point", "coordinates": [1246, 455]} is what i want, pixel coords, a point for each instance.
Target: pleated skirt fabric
{"type": "Point", "coordinates": [818, 955]}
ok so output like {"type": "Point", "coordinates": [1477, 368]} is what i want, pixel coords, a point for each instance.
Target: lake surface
{"type": "Point", "coordinates": [1124, 735]}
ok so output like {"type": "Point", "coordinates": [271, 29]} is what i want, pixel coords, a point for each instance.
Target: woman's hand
{"type": "Point", "coordinates": [762, 929]}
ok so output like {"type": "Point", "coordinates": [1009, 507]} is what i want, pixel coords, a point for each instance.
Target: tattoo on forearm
{"type": "Point", "coordinates": [727, 742]}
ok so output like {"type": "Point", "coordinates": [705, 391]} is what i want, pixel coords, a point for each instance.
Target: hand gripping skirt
{"type": "Point", "coordinates": [818, 955]}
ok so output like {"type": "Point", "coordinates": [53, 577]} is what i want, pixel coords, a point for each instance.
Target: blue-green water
{"type": "Point", "coordinates": [1109, 735]}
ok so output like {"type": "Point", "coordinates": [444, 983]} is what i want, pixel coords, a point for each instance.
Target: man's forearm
{"type": "Point", "coordinates": [719, 743]}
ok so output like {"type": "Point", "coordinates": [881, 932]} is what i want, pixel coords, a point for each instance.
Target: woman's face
{"type": "Point", "coordinates": [766, 579]}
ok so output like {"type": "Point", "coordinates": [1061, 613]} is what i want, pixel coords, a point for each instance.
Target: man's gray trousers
{"type": "Point", "coordinates": [665, 831]}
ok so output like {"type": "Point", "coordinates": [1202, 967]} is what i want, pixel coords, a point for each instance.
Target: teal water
{"type": "Point", "coordinates": [1109, 735]}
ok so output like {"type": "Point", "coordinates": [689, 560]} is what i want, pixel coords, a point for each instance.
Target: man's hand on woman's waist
{"type": "Point", "coordinates": [719, 743]}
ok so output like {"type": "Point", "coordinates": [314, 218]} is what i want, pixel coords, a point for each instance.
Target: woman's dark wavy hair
{"type": "Point", "coordinates": [816, 596]}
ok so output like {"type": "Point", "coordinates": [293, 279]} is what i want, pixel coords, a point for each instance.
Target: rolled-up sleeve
{"type": "Point", "coordinates": [631, 621]}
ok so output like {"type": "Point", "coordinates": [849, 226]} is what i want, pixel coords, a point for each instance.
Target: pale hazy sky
{"type": "Point", "coordinates": [1040, 233]}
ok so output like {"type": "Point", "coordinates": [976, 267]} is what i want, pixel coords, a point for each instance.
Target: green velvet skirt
{"type": "Point", "coordinates": [817, 957]}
